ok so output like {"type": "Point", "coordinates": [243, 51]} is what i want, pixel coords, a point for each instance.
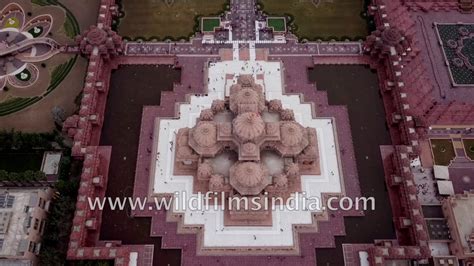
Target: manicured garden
{"type": "Point", "coordinates": [175, 19]}
{"type": "Point", "coordinates": [16, 104]}
{"type": "Point", "coordinates": [278, 24]}
{"type": "Point", "coordinates": [458, 51]}
{"type": "Point", "coordinates": [469, 147]}
{"type": "Point", "coordinates": [209, 24]}
{"type": "Point", "coordinates": [71, 27]}
{"type": "Point", "coordinates": [322, 19]}
{"type": "Point", "coordinates": [58, 74]}
{"type": "Point", "coordinates": [443, 151]}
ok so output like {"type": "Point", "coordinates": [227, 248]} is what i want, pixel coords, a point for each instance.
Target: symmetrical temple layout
{"type": "Point", "coordinates": [245, 145]}
{"type": "Point", "coordinates": [238, 142]}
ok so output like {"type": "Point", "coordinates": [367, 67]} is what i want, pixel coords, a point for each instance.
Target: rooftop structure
{"type": "Point", "coordinates": [23, 213]}
{"type": "Point", "coordinates": [458, 211]}
{"type": "Point", "coordinates": [100, 41]}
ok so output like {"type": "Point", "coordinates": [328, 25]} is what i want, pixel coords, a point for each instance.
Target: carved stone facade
{"type": "Point", "coordinates": [101, 41]}
{"type": "Point", "coordinates": [387, 41]}
{"type": "Point", "coordinates": [257, 137]}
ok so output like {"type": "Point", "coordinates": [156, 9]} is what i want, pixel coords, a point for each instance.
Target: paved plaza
{"type": "Point", "coordinates": [243, 19]}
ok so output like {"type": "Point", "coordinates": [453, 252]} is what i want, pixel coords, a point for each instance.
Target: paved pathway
{"type": "Point", "coordinates": [196, 48]}
{"type": "Point", "coordinates": [292, 47]}
{"type": "Point", "coordinates": [243, 16]}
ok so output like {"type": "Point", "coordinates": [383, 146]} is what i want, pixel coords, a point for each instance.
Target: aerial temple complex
{"type": "Point", "coordinates": [255, 128]}
{"type": "Point", "coordinates": [243, 109]}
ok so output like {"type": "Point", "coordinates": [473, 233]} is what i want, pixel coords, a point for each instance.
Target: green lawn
{"type": "Point", "coordinates": [278, 24]}
{"type": "Point", "coordinates": [469, 147]}
{"type": "Point", "coordinates": [208, 24]}
{"type": "Point", "coordinates": [336, 18]}
{"type": "Point", "coordinates": [155, 18]}
{"type": "Point", "coordinates": [443, 151]}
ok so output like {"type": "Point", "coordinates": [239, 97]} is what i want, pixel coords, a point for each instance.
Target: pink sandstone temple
{"type": "Point", "coordinates": [245, 146]}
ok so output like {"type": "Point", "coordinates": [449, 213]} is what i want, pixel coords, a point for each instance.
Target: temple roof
{"type": "Point", "coordinates": [243, 96]}
{"type": "Point", "coordinates": [96, 36]}
{"type": "Point", "coordinates": [205, 134]}
{"type": "Point", "coordinates": [249, 126]}
{"type": "Point", "coordinates": [249, 178]}
{"type": "Point", "coordinates": [291, 133]}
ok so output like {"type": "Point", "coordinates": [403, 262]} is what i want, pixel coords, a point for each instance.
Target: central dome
{"type": "Point", "coordinates": [249, 126]}
{"type": "Point", "coordinates": [205, 134]}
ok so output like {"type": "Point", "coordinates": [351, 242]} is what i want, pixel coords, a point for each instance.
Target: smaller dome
{"type": "Point", "coordinates": [96, 36]}
{"type": "Point", "coordinates": [274, 105]}
{"type": "Point", "coordinates": [249, 126]}
{"type": "Point", "coordinates": [244, 96]}
{"type": "Point", "coordinates": [287, 115]}
{"type": "Point", "coordinates": [107, 41]}
{"type": "Point", "coordinates": [249, 174]}
{"type": "Point", "coordinates": [182, 139]}
{"type": "Point", "coordinates": [392, 36]}
{"type": "Point", "coordinates": [280, 181]}
{"type": "Point", "coordinates": [218, 106]}
{"type": "Point", "coordinates": [204, 171]}
{"type": "Point", "coordinates": [291, 133]}
{"type": "Point", "coordinates": [216, 183]}
{"type": "Point", "coordinates": [185, 151]}
{"type": "Point", "coordinates": [206, 115]}
{"type": "Point", "coordinates": [292, 169]}
{"type": "Point", "coordinates": [205, 134]}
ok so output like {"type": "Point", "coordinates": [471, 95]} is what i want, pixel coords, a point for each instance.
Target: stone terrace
{"type": "Point", "coordinates": [308, 241]}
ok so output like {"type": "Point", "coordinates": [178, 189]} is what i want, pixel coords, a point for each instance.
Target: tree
{"type": "Point", "coordinates": [26, 176]}
{"type": "Point", "coordinates": [58, 115]}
